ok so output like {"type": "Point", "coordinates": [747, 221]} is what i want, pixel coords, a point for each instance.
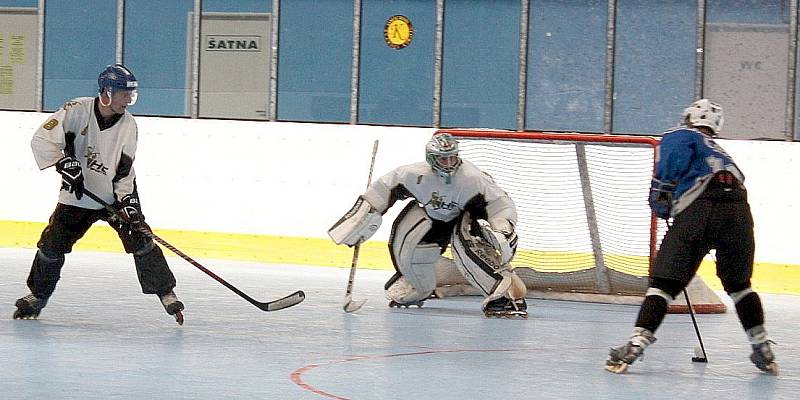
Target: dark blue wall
{"type": "Point", "coordinates": [566, 65]}
{"type": "Point", "coordinates": [480, 77]}
{"type": "Point", "coordinates": [314, 61]}
{"type": "Point", "coordinates": [653, 77]}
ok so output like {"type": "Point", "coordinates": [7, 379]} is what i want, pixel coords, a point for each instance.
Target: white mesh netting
{"type": "Point", "coordinates": [584, 222]}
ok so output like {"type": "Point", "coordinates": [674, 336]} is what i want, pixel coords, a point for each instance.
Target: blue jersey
{"type": "Point", "coordinates": [688, 159]}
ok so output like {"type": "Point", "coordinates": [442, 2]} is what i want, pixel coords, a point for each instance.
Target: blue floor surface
{"type": "Point", "coordinates": [100, 338]}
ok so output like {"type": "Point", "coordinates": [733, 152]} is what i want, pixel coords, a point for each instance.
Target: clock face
{"type": "Point", "coordinates": [398, 32]}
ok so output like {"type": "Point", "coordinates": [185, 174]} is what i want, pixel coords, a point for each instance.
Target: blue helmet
{"type": "Point", "coordinates": [117, 77]}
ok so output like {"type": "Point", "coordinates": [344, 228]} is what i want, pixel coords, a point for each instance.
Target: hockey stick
{"type": "Point", "coordinates": [351, 305]}
{"type": "Point", "coordinates": [696, 358]}
{"type": "Point", "coordinates": [279, 304]}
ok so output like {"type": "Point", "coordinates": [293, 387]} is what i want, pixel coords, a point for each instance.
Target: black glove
{"type": "Point", "coordinates": [661, 198]}
{"type": "Point", "coordinates": [129, 207]}
{"type": "Point", "coordinates": [71, 175]}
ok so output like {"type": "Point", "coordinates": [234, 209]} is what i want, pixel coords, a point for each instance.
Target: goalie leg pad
{"type": "Point", "coordinates": [475, 258]}
{"type": "Point", "coordinates": [510, 286]}
{"type": "Point", "coordinates": [357, 225]}
{"type": "Point", "coordinates": [412, 259]}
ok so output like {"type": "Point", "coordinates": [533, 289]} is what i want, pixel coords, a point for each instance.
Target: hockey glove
{"type": "Point", "coordinates": [129, 208]}
{"type": "Point", "coordinates": [661, 198]}
{"type": "Point", "coordinates": [71, 175]}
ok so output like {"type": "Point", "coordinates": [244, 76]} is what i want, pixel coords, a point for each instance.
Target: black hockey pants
{"type": "Point", "coordinates": [720, 219]}
{"type": "Point", "coordinates": [67, 225]}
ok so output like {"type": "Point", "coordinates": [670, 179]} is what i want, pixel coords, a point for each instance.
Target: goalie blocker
{"type": "Point", "coordinates": [357, 225]}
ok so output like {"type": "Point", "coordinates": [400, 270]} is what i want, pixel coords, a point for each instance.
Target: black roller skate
{"type": "Point", "coordinates": [29, 307]}
{"type": "Point", "coordinates": [506, 308]}
{"type": "Point", "coordinates": [763, 358]}
{"type": "Point", "coordinates": [172, 305]}
{"type": "Point", "coordinates": [418, 303]}
{"type": "Point", "coordinates": [620, 358]}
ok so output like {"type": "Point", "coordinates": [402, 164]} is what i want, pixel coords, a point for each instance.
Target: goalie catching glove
{"type": "Point", "coordinates": [501, 237]}
{"type": "Point", "coordinates": [357, 225]}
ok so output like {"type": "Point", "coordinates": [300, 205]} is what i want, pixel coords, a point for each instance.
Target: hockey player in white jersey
{"type": "Point", "coordinates": [454, 203]}
{"type": "Point", "coordinates": [91, 142]}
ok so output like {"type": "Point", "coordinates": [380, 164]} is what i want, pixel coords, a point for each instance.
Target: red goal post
{"type": "Point", "coordinates": [585, 229]}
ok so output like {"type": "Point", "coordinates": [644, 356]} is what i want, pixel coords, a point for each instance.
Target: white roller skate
{"type": "Point", "coordinates": [172, 305]}
{"type": "Point", "coordinates": [29, 307]}
{"type": "Point", "coordinates": [394, 304]}
{"type": "Point", "coordinates": [504, 307]}
{"type": "Point", "coordinates": [763, 358]}
{"type": "Point", "coordinates": [620, 358]}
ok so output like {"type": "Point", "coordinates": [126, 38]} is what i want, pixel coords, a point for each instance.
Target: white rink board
{"type": "Point", "coordinates": [296, 179]}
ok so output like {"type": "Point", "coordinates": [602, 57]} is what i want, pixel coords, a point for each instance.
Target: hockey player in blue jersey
{"type": "Point", "coordinates": [698, 185]}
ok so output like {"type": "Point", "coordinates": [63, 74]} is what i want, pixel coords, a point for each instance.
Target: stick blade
{"type": "Point", "coordinates": [351, 305]}
{"type": "Point", "coordinates": [284, 302]}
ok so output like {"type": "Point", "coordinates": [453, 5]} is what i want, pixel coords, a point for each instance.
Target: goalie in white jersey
{"type": "Point", "coordinates": [91, 142]}
{"type": "Point", "coordinates": [454, 203]}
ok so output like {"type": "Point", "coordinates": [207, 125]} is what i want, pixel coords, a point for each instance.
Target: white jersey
{"type": "Point", "coordinates": [106, 156]}
{"type": "Point", "coordinates": [442, 201]}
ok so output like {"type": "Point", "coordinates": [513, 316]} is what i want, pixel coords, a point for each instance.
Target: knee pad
{"type": "Point", "coordinates": [739, 295]}
{"type": "Point", "coordinates": [50, 258]}
{"type": "Point", "coordinates": [671, 287]}
{"type": "Point", "coordinates": [651, 291]}
{"type": "Point", "coordinates": [145, 249]}
{"type": "Point", "coordinates": [736, 287]}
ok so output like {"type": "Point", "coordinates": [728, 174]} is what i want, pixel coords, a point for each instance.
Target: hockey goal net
{"type": "Point", "coordinates": [585, 229]}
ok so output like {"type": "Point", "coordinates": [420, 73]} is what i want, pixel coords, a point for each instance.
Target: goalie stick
{"type": "Point", "coordinates": [351, 305]}
{"type": "Point", "coordinates": [279, 304]}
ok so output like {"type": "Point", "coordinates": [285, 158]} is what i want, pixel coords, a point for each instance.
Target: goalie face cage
{"type": "Point", "coordinates": [584, 223]}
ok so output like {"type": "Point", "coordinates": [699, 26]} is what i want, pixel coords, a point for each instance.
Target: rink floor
{"type": "Point", "coordinates": [100, 338]}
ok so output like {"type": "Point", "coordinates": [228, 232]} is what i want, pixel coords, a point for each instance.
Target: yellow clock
{"type": "Point", "coordinates": [398, 32]}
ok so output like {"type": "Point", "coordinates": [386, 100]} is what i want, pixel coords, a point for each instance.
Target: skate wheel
{"type": "Point", "coordinates": [179, 318]}
{"type": "Point", "coordinates": [772, 369]}
{"type": "Point", "coordinates": [617, 369]}
{"type": "Point", "coordinates": [19, 315]}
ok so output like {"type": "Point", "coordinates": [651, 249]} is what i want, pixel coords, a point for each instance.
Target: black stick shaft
{"type": "Point", "coordinates": [299, 295]}
{"type": "Point", "coordinates": [694, 322]}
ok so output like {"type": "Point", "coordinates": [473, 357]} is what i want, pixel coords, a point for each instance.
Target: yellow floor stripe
{"type": "Point", "coordinates": [768, 278]}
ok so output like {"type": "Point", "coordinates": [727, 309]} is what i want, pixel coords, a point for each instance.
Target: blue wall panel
{"type": "Point", "coordinates": [655, 58]}
{"type": "Point", "coordinates": [480, 73]}
{"type": "Point", "coordinates": [396, 86]}
{"type": "Point", "coordinates": [19, 3]}
{"type": "Point", "coordinates": [155, 50]}
{"type": "Point", "coordinates": [566, 65]}
{"type": "Point", "coordinates": [77, 48]}
{"type": "Point", "coordinates": [315, 59]}
{"type": "Point", "coordinates": [256, 6]}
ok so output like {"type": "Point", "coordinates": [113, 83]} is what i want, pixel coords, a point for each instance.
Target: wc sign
{"type": "Point", "coordinates": [233, 43]}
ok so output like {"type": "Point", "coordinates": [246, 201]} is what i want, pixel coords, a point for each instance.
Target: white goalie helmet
{"type": "Point", "coordinates": [704, 112]}
{"type": "Point", "coordinates": [441, 153]}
